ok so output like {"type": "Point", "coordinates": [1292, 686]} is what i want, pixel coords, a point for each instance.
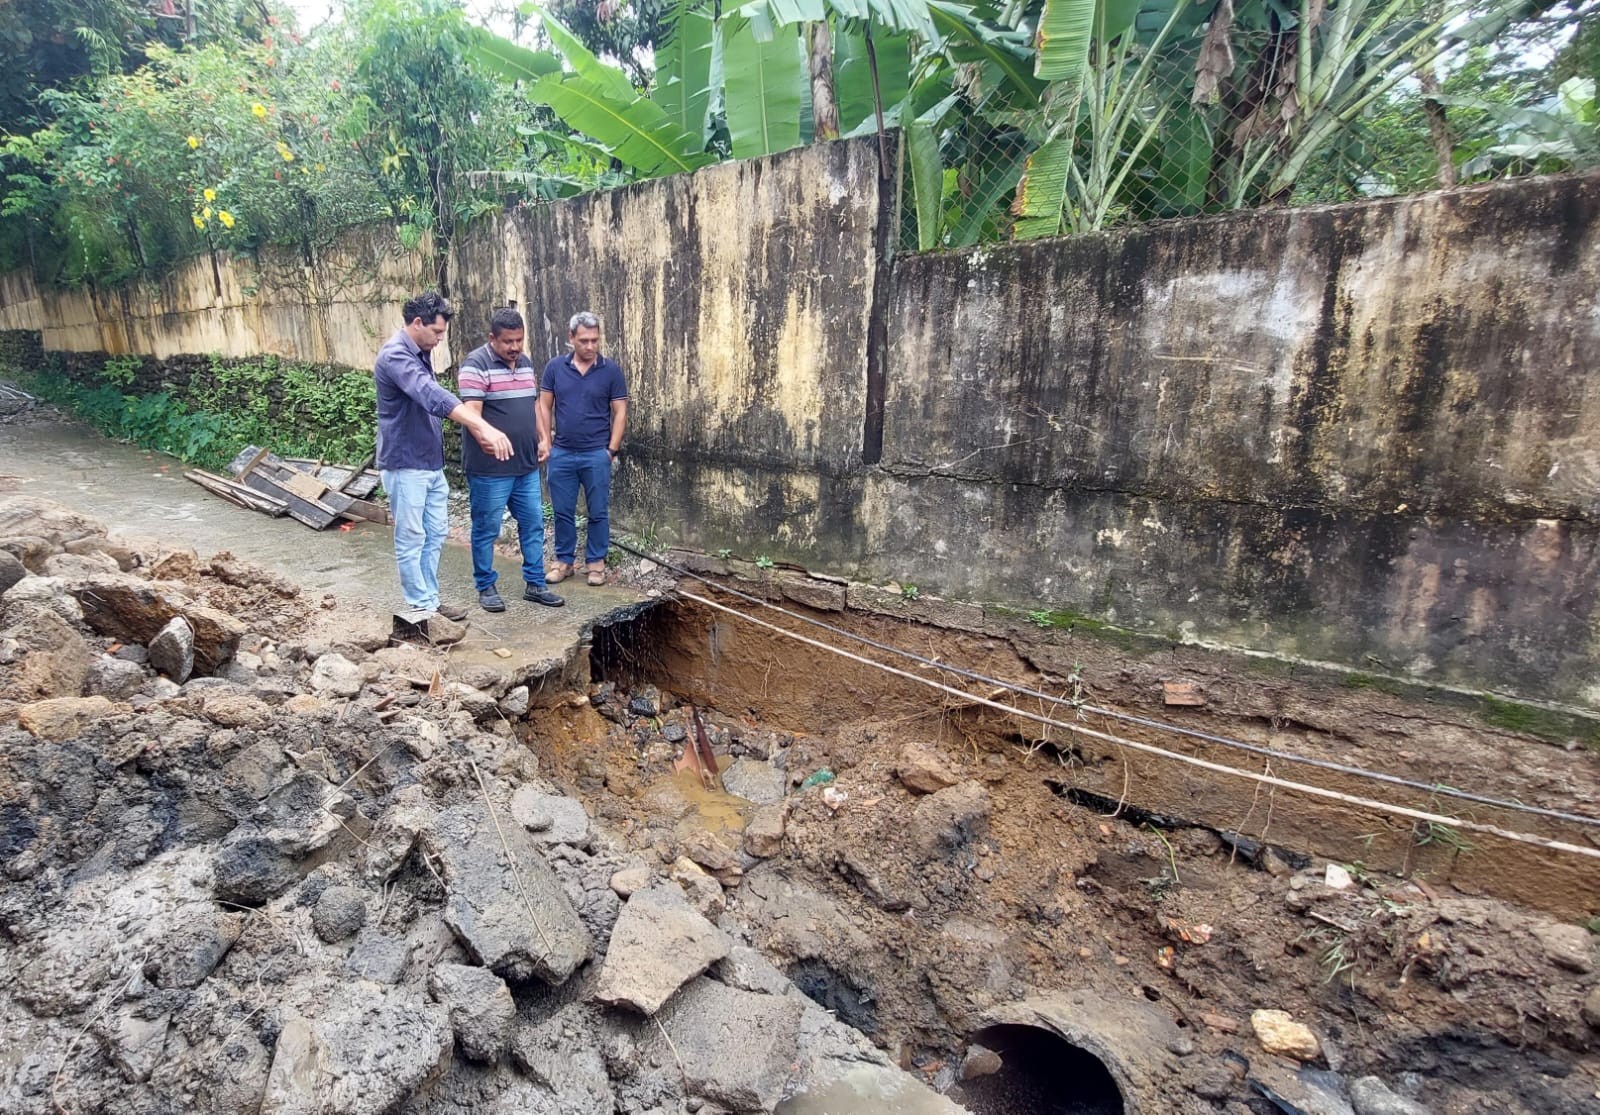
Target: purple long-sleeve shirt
{"type": "Point", "coordinates": [411, 405]}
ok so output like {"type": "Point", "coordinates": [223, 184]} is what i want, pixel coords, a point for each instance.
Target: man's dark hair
{"type": "Point", "coordinates": [428, 305]}
{"type": "Point", "coordinates": [504, 319]}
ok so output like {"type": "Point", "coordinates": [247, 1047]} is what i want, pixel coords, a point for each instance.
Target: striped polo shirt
{"type": "Point", "coordinates": [509, 396]}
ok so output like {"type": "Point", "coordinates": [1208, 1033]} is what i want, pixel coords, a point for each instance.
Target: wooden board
{"type": "Point", "coordinates": [234, 492]}
{"type": "Point", "coordinates": [303, 484]}
{"type": "Point", "coordinates": [313, 513]}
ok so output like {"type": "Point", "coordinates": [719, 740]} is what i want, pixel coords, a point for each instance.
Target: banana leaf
{"type": "Point", "coordinates": [637, 131]}
{"type": "Point", "coordinates": [1065, 28]}
{"type": "Point", "coordinates": [852, 76]}
{"type": "Point", "coordinates": [763, 87]}
{"type": "Point", "coordinates": [508, 59]}
{"type": "Point", "coordinates": [970, 39]}
{"type": "Point", "coordinates": [1043, 194]}
{"type": "Point", "coordinates": [683, 66]}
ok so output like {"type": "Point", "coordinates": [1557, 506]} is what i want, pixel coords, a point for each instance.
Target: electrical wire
{"type": "Point", "coordinates": [1433, 790]}
{"type": "Point", "coordinates": [1151, 749]}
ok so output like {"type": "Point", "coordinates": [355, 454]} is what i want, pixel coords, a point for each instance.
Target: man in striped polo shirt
{"type": "Point", "coordinates": [500, 383]}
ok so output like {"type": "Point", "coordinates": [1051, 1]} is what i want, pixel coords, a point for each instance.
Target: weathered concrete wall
{"type": "Point", "coordinates": [337, 311]}
{"type": "Point", "coordinates": [1369, 433]}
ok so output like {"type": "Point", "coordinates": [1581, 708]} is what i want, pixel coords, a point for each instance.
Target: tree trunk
{"type": "Point", "coordinates": [824, 109]}
{"type": "Point", "coordinates": [1438, 127]}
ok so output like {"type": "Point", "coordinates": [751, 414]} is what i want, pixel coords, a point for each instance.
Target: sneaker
{"type": "Point", "coordinates": [543, 596]}
{"type": "Point", "coordinates": [451, 612]}
{"type": "Point", "coordinates": [491, 601]}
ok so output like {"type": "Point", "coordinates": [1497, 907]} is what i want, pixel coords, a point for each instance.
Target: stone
{"type": "Point", "coordinates": [551, 818]}
{"type": "Point", "coordinates": [1279, 1033]}
{"type": "Point", "coordinates": [979, 1061]}
{"type": "Point", "coordinates": [443, 632]}
{"type": "Point", "coordinates": [700, 887]}
{"type": "Point", "coordinates": [509, 911]}
{"type": "Point", "coordinates": [236, 710]}
{"type": "Point", "coordinates": [737, 1047]}
{"type": "Point", "coordinates": [763, 832]}
{"type": "Point", "coordinates": [482, 1012]}
{"type": "Point", "coordinates": [172, 650]}
{"type": "Point", "coordinates": [1591, 1007]}
{"type": "Point", "coordinates": [715, 856]}
{"type": "Point", "coordinates": [646, 701]}
{"type": "Point", "coordinates": [563, 1055]}
{"type": "Point", "coordinates": [75, 565]}
{"type": "Point", "coordinates": [367, 1049]}
{"type": "Point", "coordinates": [47, 593]}
{"type": "Point", "coordinates": [951, 818]}
{"type": "Point", "coordinates": [124, 556]}
{"type": "Point", "coordinates": [304, 704]}
{"type": "Point", "coordinates": [134, 1041]}
{"type": "Point", "coordinates": [658, 944]}
{"type": "Point", "coordinates": [674, 732]}
{"type": "Point", "coordinates": [304, 813]}
{"type": "Point", "coordinates": [334, 675]}
{"type": "Point", "coordinates": [135, 610]}
{"type": "Point", "coordinates": [748, 970]}
{"type": "Point", "coordinates": [186, 957]}
{"type": "Point", "coordinates": [176, 565]}
{"type": "Point", "coordinates": [516, 703]}
{"type": "Point", "coordinates": [11, 571]}
{"type": "Point", "coordinates": [1567, 946]}
{"type": "Point", "coordinates": [339, 912]}
{"type": "Point", "coordinates": [1337, 877]}
{"type": "Point", "coordinates": [1371, 1096]}
{"type": "Point", "coordinates": [63, 718]}
{"type": "Point", "coordinates": [630, 879]}
{"type": "Point", "coordinates": [473, 701]}
{"type": "Point", "coordinates": [378, 956]}
{"type": "Point", "coordinates": [251, 871]}
{"type": "Point", "coordinates": [113, 678]}
{"type": "Point", "coordinates": [921, 770]}
{"type": "Point", "coordinates": [755, 781]}
{"type": "Point", "coordinates": [53, 659]}
{"type": "Point", "coordinates": [423, 736]}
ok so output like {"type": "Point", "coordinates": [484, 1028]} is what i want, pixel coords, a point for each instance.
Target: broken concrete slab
{"type": "Point", "coordinates": [737, 1048]}
{"type": "Point", "coordinates": [755, 781]}
{"type": "Point", "coordinates": [512, 914]}
{"type": "Point", "coordinates": [658, 944]}
{"type": "Point", "coordinates": [562, 1054]}
{"type": "Point", "coordinates": [551, 818]}
{"type": "Point", "coordinates": [63, 718]}
{"type": "Point", "coordinates": [482, 1012]}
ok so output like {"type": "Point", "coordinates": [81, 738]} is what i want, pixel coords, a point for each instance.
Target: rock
{"type": "Point", "coordinates": [304, 814]}
{"type": "Point", "coordinates": [1567, 946]}
{"type": "Point", "coordinates": [334, 675]}
{"type": "Point", "coordinates": [950, 818]}
{"type": "Point", "coordinates": [442, 632]}
{"type": "Point", "coordinates": [114, 678]}
{"type": "Point", "coordinates": [176, 565]}
{"type": "Point", "coordinates": [47, 593]}
{"type": "Point", "coordinates": [563, 1055]}
{"type": "Point", "coordinates": [551, 818]}
{"type": "Point", "coordinates": [172, 650]}
{"type": "Point", "coordinates": [423, 737]}
{"type": "Point", "coordinates": [979, 1061]}
{"type": "Point", "coordinates": [135, 610]}
{"type": "Point", "coordinates": [1213, 1081]}
{"type": "Point", "coordinates": [630, 879]}
{"type": "Point", "coordinates": [367, 1050]}
{"type": "Point", "coordinates": [1370, 1096]}
{"type": "Point", "coordinates": [124, 556]}
{"type": "Point", "coordinates": [737, 1047]}
{"type": "Point", "coordinates": [755, 781]}
{"type": "Point", "coordinates": [250, 870]}
{"type": "Point", "coordinates": [703, 891]}
{"type": "Point", "coordinates": [658, 944]}
{"type": "Point", "coordinates": [11, 571]}
{"type": "Point", "coordinates": [516, 703]}
{"type": "Point", "coordinates": [521, 925]}
{"type": "Point", "coordinates": [63, 718]}
{"type": "Point", "coordinates": [54, 660]}
{"type": "Point", "coordinates": [185, 957]}
{"type": "Point", "coordinates": [160, 689]}
{"type": "Point", "coordinates": [715, 856]}
{"type": "Point", "coordinates": [78, 565]}
{"type": "Point", "coordinates": [339, 912]}
{"type": "Point", "coordinates": [377, 956]}
{"type": "Point", "coordinates": [646, 701]}
{"type": "Point", "coordinates": [748, 970]}
{"type": "Point", "coordinates": [763, 832]}
{"type": "Point", "coordinates": [1305, 1091]}
{"type": "Point", "coordinates": [134, 1040]}
{"type": "Point", "coordinates": [236, 710]}
{"type": "Point", "coordinates": [473, 701]}
{"type": "Point", "coordinates": [1279, 1033]}
{"type": "Point", "coordinates": [922, 771]}
{"type": "Point", "coordinates": [304, 704]}
{"type": "Point", "coordinates": [674, 732]}
{"type": "Point", "coordinates": [1591, 1008]}
{"type": "Point", "coordinates": [1336, 877]}
{"type": "Point", "coordinates": [482, 1012]}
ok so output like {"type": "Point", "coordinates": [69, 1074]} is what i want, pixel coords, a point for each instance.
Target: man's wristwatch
{"type": "Point", "coordinates": [615, 453]}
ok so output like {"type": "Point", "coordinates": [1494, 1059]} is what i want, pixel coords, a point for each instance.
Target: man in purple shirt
{"type": "Point", "coordinates": [411, 447]}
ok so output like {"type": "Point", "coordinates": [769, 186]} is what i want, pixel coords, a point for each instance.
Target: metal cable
{"type": "Point", "coordinates": [1131, 718]}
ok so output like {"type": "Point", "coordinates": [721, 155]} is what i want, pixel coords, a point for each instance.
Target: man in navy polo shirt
{"type": "Point", "coordinates": [411, 447]}
{"type": "Point", "coordinates": [499, 382]}
{"type": "Point", "coordinates": [583, 402]}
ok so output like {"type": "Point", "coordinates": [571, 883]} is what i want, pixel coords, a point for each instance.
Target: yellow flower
{"type": "Point", "coordinates": [198, 222]}
{"type": "Point", "coordinates": [209, 195]}
{"type": "Point", "coordinates": [194, 141]}
{"type": "Point", "coordinates": [206, 212]}
{"type": "Point", "coordinates": [319, 168]}
{"type": "Point", "coordinates": [259, 109]}
{"type": "Point", "coordinates": [288, 155]}
{"type": "Point", "coordinates": [225, 217]}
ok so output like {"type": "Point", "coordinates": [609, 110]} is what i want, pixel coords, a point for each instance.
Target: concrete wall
{"type": "Point", "coordinates": [1366, 433]}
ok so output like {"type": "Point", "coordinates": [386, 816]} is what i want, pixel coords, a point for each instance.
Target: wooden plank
{"type": "Point", "coordinates": [310, 512]}
{"type": "Point", "coordinates": [303, 485]}
{"type": "Point", "coordinates": [362, 510]}
{"type": "Point", "coordinates": [238, 493]}
{"type": "Point", "coordinates": [250, 465]}
{"type": "Point", "coordinates": [359, 469]}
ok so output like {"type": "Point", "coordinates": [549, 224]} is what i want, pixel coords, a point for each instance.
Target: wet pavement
{"type": "Point", "coordinates": [138, 492]}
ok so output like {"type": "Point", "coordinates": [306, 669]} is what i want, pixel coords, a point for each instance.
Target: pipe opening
{"type": "Point", "coordinates": [1035, 1072]}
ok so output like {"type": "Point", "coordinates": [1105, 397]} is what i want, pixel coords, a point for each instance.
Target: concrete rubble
{"type": "Point", "coordinates": [248, 885]}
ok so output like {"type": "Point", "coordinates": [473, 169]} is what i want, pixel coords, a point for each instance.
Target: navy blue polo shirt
{"type": "Point", "coordinates": [583, 401]}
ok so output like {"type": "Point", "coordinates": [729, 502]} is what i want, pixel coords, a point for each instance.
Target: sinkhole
{"type": "Point", "coordinates": [1038, 1073]}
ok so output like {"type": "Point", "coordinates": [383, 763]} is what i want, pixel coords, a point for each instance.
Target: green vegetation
{"type": "Point", "coordinates": [764, 562]}
{"type": "Point", "coordinates": [1533, 720]}
{"type": "Point", "coordinates": [1068, 621]}
{"type": "Point", "coordinates": [1371, 681]}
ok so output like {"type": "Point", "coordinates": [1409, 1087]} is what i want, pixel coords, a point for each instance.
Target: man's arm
{"type": "Point", "coordinates": [619, 425]}
{"type": "Point", "coordinates": [544, 419]}
{"type": "Point", "coordinates": [469, 416]}
{"type": "Point", "coordinates": [419, 385]}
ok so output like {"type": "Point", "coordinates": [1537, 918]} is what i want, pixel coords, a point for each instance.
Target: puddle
{"type": "Point", "coordinates": [711, 810]}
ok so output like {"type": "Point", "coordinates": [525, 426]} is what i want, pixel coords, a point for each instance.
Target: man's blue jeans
{"type": "Point", "coordinates": [569, 470]}
{"type": "Point", "coordinates": [490, 496]}
{"type": "Point", "coordinates": [417, 502]}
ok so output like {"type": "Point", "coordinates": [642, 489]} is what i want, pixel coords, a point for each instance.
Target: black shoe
{"type": "Point", "coordinates": [451, 612]}
{"type": "Point", "coordinates": [543, 596]}
{"type": "Point", "coordinates": [491, 601]}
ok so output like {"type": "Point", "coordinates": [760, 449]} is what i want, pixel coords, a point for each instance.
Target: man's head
{"type": "Point", "coordinates": [583, 334]}
{"type": "Point", "coordinates": [506, 335]}
{"type": "Point", "coordinates": [427, 317]}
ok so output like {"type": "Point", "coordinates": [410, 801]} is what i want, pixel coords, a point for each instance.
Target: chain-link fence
{"type": "Point", "coordinates": [1216, 106]}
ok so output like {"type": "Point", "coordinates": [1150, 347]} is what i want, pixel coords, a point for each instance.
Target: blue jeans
{"type": "Point", "coordinates": [417, 502]}
{"type": "Point", "coordinates": [591, 469]}
{"type": "Point", "coordinates": [490, 496]}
